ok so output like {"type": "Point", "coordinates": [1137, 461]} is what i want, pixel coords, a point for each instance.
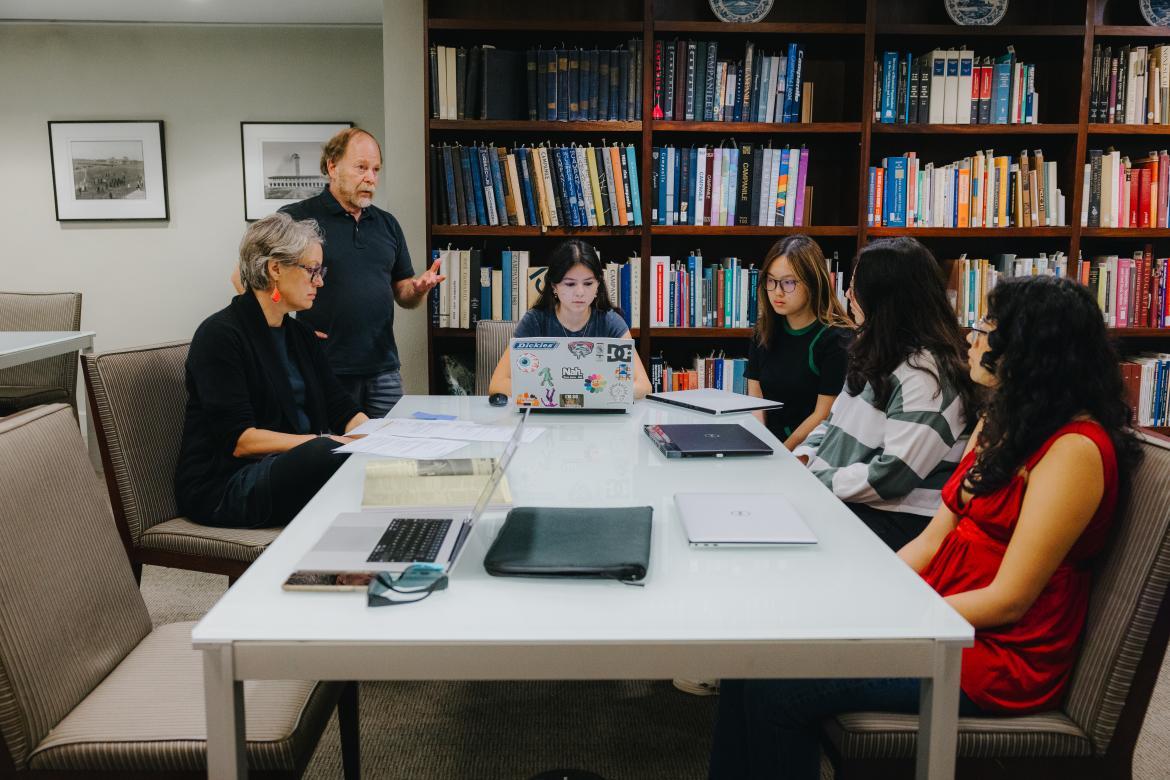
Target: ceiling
{"type": "Point", "coordinates": [365, 12]}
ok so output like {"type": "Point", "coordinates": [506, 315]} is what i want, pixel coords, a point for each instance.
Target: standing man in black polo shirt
{"type": "Point", "coordinates": [369, 269]}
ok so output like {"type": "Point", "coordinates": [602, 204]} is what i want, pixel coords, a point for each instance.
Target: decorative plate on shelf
{"type": "Point", "coordinates": [1155, 12]}
{"type": "Point", "coordinates": [740, 11]}
{"type": "Point", "coordinates": [976, 12]}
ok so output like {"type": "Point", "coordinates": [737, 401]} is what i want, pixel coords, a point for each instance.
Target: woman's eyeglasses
{"type": "Point", "coordinates": [418, 581]}
{"type": "Point", "coordinates": [787, 284]}
{"type": "Point", "coordinates": [315, 271]}
{"type": "Point", "coordinates": [978, 328]}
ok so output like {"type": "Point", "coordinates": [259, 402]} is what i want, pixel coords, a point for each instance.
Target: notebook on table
{"type": "Point", "coordinates": [714, 401]}
{"type": "Point", "coordinates": [573, 374]}
{"type": "Point", "coordinates": [705, 440]}
{"type": "Point", "coordinates": [741, 520]}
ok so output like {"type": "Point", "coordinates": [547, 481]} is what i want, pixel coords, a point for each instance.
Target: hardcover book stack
{"type": "Point", "coordinates": [1120, 193]}
{"type": "Point", "coordinates": [744, 184]}
{"type": "Point", "coordinates": [982, 191]}
{"type": "Point", "coordinates": [716, 371]}
{"type": "Point", "coordinates": [696, 293]}
{"type": "Point", "coordinates": [973, 279]}
{"type": "Point", "coordinates": [1131, 291]}
{"type": "Point", "coordinates": [954, 86]}
{"type": "Point", "coordinates": [559, 84]}
{"type": "Point", "coordinates": [572, 186]}
{"type": "Point", "coordinates": [1147, 384]}
{"type": "Point", "coordinates": [692, 84]}
{"type": "Point", "coordinates": [1130, 85]}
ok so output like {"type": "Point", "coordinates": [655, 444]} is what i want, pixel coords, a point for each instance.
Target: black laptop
{"type": "Point", "coordinates": [705, 440]}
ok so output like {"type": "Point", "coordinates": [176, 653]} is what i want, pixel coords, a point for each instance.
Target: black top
{"type": "Point", "coordinates": [296, 380]}
{"type": "Point", "coordinates": [236, 381]}
{"type": "Point", "coordinates": [355, 307]}
{"type": "Point", "coordinates": [796, 367]}
{"type": "Point", "coordinates": [542, 323]}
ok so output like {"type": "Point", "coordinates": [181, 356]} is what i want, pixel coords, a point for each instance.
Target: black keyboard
{"type": "Point", "coordinates": [411, 539]}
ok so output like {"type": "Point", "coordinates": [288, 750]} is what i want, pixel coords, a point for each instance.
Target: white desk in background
{"type": "Point", "coordinates": [845, 607]}
{"type": "Point", "coordinates": [18, 347]}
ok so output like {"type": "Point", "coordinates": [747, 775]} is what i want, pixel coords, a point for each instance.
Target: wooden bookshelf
{"type": "Point", "coordinates": [842, 39]}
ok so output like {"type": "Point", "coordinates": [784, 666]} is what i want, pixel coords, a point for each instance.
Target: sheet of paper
{"type": "Point", "coordinates": [369, 426]}
{"type": "Point", "coordinates": [457, 430]}
{"type": "Point", "coordinates": [402, 447]}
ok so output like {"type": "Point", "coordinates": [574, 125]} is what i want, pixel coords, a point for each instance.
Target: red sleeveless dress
{"type": "Point", "coordinates": [1025, 666]}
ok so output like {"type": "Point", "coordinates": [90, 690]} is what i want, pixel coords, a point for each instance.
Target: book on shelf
{"type": "Point", "coordinates": [561, 84]}
{"type": "Point", "coordinates": [1130, 85]}
{"type": "Point", "coordinates": [717, 372]}
{"type": "Point", "coordinates": [692, 84]}
{"type": "Point", "coordinates": [1124, 193]}
{"type": "Point", "coordinates": [1131, 291]}
{"type": "Point", "coordinates": [1147, 385]}
{"type": "Point", "coordinates": [695, 293]}
{"type": "Point", "coordinates": [578, 186]}
{"type": "Point", "coordinates": [971, 280]}
{"type": "Point", "coordinates": [730, 184]}
{"type": "Point", "coordinates": [954, 86]}
{"type": "Point", "coordinates": [984, 190]}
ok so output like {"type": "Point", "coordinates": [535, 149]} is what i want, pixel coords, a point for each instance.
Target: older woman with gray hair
{"type": "Point", "coordinates": [264, 410]}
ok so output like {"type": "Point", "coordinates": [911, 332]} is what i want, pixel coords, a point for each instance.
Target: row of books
{"type": "Point", "coordinates": [971, 279]}
{"type": "Point", "coordinates": [474, 290]}
{"type": "Point", "coordinates": [982, 191]}
{"type": "Point", "coordinates": [577, 186]}
{"type": "Point", "coordinates": [718, 372]}
{"type": "Point", "coordinates": [1131, 291]}
{"type": "Point", "coordinates": [1147, 385]}
{"type": "Point", "coordinates": [1124, 194]}
{"type": "Point", "coordinates": [1131, 88]}
{"type": "Point", "coordinates": [695, 293]}
{"type": "Point", "coordinates": [954, 87]}
{"type": "Point", "coordinates": [691, 83]}
{"type": "Point", "coordinates": [560, 84]}
{"type": "Point", "coordinates": [744, 184]}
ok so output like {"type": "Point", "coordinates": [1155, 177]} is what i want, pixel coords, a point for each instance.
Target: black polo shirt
{"type": "Point", "coordinates": [355, 307]}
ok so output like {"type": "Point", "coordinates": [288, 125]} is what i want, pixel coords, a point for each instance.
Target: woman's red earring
{"type": "Point", "coordinates": [275, 295]}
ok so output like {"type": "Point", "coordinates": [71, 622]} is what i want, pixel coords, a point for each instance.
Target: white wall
{"type": "Point", "coordinates": [149, 282]}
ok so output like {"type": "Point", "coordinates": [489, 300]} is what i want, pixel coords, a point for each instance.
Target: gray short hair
{"type": "Point", "coordinates": [276, 237]}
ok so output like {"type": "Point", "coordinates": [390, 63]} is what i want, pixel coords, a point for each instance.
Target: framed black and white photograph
{"type": "Point", "coordinates": [282, 163]}
{"type": "Point", "coordinates": [111, 170]}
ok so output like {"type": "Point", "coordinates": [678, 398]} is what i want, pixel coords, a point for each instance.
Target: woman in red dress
{"type": "Point", "coordinates": [1010, 549]}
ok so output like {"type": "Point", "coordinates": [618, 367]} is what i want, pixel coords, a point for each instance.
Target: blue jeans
{"type": "Point", "coordinates": [377, 394]}
{"type": "Point", "coordinates": [771, 728]}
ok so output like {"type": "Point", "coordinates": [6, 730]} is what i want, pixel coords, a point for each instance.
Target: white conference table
{"type": "Point", "coordinates": [845, 607]}
{"type": "Point", "coordinates": [24, 346]}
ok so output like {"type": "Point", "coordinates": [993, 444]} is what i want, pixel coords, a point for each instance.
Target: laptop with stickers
{"type": "Point", "coordinates": [573, 374]}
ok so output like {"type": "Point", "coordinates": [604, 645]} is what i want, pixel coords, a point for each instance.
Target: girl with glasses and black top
{"type": "Point", "coordinates": [797, 354]}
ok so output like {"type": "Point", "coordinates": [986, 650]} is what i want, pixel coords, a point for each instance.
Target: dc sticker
{"type": "Point", "coordinates": [619, 353]}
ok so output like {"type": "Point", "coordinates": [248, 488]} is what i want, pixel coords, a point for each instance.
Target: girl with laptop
{"type": "Point", "coordinates": [896, 433]}
{"type": "Point", "coordinates": [573, 304]}
{"type": "Point", "coordinates": [1011, 547]}
{"type": "Point", "coordinates": [797, 353]}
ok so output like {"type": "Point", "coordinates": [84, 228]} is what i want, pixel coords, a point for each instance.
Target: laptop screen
{"type": "Point", "coordinates": [501, 466]}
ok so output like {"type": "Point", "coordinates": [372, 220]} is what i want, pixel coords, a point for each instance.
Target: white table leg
{"type": "Point", "coordinates": [224, 700]}
{"type": "Point", "coordinates": [95, 456]}
{"type": "Point", "coordinates": [938, 721]}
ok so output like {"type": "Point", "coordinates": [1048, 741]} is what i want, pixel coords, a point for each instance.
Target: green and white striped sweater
{"type": "Point", "coordinates": [897, 458]}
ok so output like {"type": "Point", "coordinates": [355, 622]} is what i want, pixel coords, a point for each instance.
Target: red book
{"type": "Point", "coordinates": [1143, 209]}
{"type": "Point", "coordinates": [657, 110]}
{"type": "Point", "coordinates": [1133, 197]}
{"type": "Point", "coordinates": [1131, 377]}
{"type": "Point", "coordinates": [985, 83]}
{"type": "Point", "coordinates": [879, 188]}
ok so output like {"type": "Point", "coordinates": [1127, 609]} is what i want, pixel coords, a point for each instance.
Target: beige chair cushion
{"type": "Point", "coordinates": [887, 735]}
{"type": "Point", "coordinates": [56, 377]}
{"type": "Point", "coordinates": [180, 535]}
{"type": "Point", "coordinates": [491, 341]}
{"type": "Point", "coordinates": [149, 715]}
{"type": "Point", "coordinates": [70, 609]}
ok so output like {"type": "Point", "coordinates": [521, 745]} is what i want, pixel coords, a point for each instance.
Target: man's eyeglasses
{"type": "Point", "coordinates": [787, 284]}
{"type": "Point", "coordinates": [315, 271]}
{"type": "Point", "coordinates": [418, 581]}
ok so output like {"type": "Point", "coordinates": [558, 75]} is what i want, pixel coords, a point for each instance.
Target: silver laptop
{"type": "Point", "coordinates": [741, 520]}
{"type": "Point", "coordinates": [393, 539]}
{"type": "Point", "coordinates": [573, 374]}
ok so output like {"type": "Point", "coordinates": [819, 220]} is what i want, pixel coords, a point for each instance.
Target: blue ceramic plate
{"type": "Point", "coordinates": [740, 11]}
{"type": "Point", "coordinates": [976, 12]}
{"type": "Point", "coordinates": [1156, 12]}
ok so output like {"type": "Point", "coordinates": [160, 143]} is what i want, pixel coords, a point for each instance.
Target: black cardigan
{"type": "Point", "coordinates": [235, 381]}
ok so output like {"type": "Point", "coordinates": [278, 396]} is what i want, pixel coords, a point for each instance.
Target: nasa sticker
{"type": "Point", "coordinates": [594, 383]}
{"type": "Point", "coordinates": [740, 11]}
{"type": "Point", "coordinates": [527, 362]}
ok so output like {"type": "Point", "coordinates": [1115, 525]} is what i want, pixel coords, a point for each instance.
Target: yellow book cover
{"type": "Point", "coordinates": [514, 182]}
{"type": "Point", "coordinates": [964, 205]}
{"type": "Point", "coordinates": [594, 185]}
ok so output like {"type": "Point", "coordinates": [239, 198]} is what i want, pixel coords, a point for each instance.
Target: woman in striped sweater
{"type": "Point", "coordinates": [896, 433]}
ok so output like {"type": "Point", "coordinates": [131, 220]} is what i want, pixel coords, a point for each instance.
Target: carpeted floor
{"type": "Point", "coordinates": [512, 731]}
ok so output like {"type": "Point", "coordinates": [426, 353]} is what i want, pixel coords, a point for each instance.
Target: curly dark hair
{"type": "Point", "coordinates": [1053, 361]}
{"type": "Point", "coordinates": [898, 285]}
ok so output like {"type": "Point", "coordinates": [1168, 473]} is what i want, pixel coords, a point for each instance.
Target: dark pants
{"type": "Point", "coordinates": [771, 728]}
{"type": "Point", "coordinates": [272, 490]}
{"type": "Point", "coordinates": [377, 394]}
{"type": "Point", "coordinates": [894, 528]}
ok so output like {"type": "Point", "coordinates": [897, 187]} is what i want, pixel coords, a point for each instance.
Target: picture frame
{"type": "Point", "coordinates": [281, 163]}
{"type": "Point", "coordinates": [110, 170]}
